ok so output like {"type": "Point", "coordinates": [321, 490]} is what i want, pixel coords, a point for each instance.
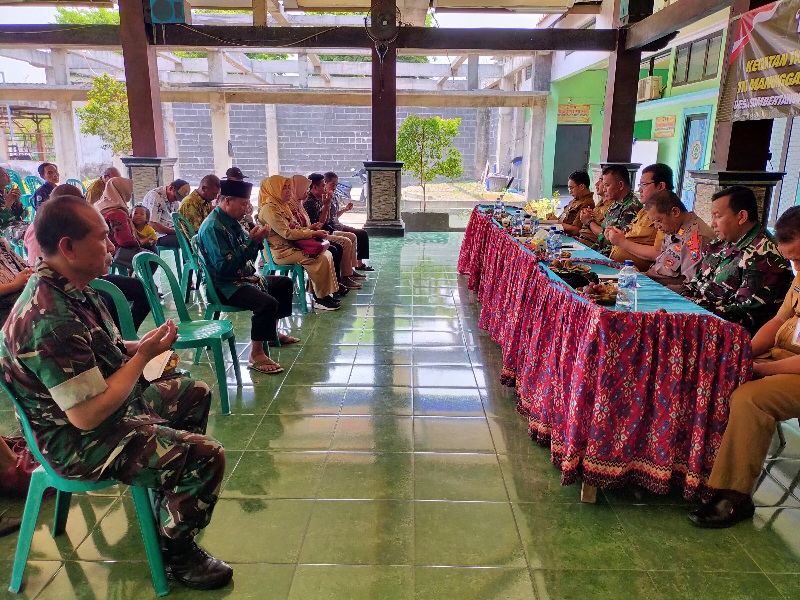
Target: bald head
{"type": "Point", "coordinates": [209, 187]}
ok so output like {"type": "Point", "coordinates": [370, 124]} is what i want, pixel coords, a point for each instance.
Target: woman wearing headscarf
{"type": "Point", "coordinates": [344, 243]}
{"type": "Point", "coordinates": [275, 210]}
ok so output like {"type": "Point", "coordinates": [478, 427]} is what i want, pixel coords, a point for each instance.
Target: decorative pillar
{"type": "Point", "coordinates": [148, 166]}
{"type": "Point", "coordinates": [707, 183]}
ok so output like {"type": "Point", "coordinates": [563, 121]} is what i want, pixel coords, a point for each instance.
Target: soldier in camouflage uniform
{"type": "Point", "coordinates": [623, 210]}
{"type": "Point", "coordinates": [93, 414]}
{"type": "Point", "coordinates": [743, 277]}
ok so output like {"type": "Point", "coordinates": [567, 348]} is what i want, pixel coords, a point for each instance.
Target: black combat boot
{"type": "Point", "coordinates": [191, 566]}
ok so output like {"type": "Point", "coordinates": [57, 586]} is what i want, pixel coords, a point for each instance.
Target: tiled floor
{"type": "Point", "coordinates": [388, 463]}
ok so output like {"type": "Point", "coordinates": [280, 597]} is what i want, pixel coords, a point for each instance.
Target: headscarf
{"type": "Point", "coordinates": [271, 189]}
{"type": "Point", "coordinates": [117, 194]}
{"type": "Point", "coordinates": [299, 189]}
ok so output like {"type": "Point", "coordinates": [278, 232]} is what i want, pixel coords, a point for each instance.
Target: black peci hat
{"type": "Point", "coordinates": [235, 189]}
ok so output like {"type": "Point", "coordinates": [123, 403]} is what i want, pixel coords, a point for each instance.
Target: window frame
{"type": "Point", "coordinates": [688, 48]}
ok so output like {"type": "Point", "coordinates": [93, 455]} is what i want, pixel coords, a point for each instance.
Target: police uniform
{"type": "Point", "coordinates": [641, 231]}
{"type": "Point", "coordinates": [681, 253]}
{"type": "Point", "coordinates": [743, 282]}
{"type": "Point", "coordinates": [757, 405]}
{"type": "Point", "coordinates": [59, 347]}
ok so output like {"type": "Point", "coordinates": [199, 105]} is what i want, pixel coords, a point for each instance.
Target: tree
{"type": "Point", "coordinates": [425, 145]}
{"type": "Point", "coordinates": [87, 16]}
{"type": "Point", "coordinates": [106, 114]}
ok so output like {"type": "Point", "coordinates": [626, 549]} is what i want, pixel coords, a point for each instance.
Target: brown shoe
{"type": "Point", "coordinates": [350, 284]}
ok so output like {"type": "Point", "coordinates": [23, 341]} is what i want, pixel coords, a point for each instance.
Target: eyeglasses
{"type": "Point", "coordinates": [644, 183]}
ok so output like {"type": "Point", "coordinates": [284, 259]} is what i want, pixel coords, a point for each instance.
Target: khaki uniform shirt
{"type": "Point", "coordinates": [642, 231]}
{"type": "Point", "coordinates": [787, 344]}
{"type": "Point", "coordinates": [586, 235]}
{"type": "Point", "coordinates": [571, 213]}
{"type": "Point", "coordinates": [682, 253]}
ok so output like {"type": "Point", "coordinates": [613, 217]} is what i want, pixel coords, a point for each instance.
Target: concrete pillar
{"type": "Point", "coordinates": [534, 150]}
{"type": "Point", "coordinates": [302, 69]}
{"type": "Point", "coordinates": [481, 141]}
{"type": "Point", "coordinates": [220, 133]}
{"type": "Point", "coordinates": [273, 155]}
{"type": "Point", "coordinates": [216, 67]}
{"type": "Point", "coordinates": [504, 129]}
{"type": "Point", "coordinates": [63, 118]}
{"type": "Point", "coordinates": [171, 135]}
{"type": "Point", "coordinates": [3, 145]}
{"type": "Point", "coordinates": [472, 72]}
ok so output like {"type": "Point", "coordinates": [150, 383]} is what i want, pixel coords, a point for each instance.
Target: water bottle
{"type": "Point", "coordinates": [502, 206]}
{"type": "Point", "coordinates": [516, 224]}
{"type": "Point", "coordinates": [534, 221]}
{"type": "Point", "coordinates": [627, 289]}
{"type": "Point", "coordinates": [550, 241]}
{"type": "Point", "coordinates": [557, 243]}
{"type": "Point", "coordinates": [498, 211]}
{"type": "Point", "coordinates": [527, 224]}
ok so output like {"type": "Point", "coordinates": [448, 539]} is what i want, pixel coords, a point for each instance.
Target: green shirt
{"type": "Point", "coordinates": [229, 253]}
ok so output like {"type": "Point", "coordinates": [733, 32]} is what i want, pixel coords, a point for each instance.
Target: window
{"type": "Point", "coordinates": [697, 60]}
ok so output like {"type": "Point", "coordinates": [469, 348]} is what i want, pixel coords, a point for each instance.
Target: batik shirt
{"type": "Point", "coordinates": [313, 207]}
{"type": "Point", "coordinates": [743, 282]}
{"type": "Point", "coordinates": [195, 210]}
{"type": "Point", "coordinates": [229, 253]}
{"type": "Point", "coordinates": [620, 214]}
{"type": "Point", "coordinates": [161, 209]}
{"type": "Point", "coordinates": [59, 347]}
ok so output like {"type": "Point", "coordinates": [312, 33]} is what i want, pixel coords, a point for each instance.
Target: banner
{"type": "Point", "coordinates": [574, 113]}
{"type": "Point", "coordinates": [763, 78]}
{"type": "Point", "coordinates": [665, 127]}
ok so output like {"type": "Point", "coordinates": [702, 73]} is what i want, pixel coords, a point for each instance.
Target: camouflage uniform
{"type": "Point", "coordinates": [620, 214]}
{"type": "Point", "coordinates": [195, 210]}
{"type": "Point", "coordinates": [743, 282]}
{"type": "Point", "coordinates": [59, 346]}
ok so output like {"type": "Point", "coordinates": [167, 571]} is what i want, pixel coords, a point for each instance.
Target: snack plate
{"type": "Point", "coordinates": [603, 299]}
{"type": "Point", "coordinates": [574, 269]}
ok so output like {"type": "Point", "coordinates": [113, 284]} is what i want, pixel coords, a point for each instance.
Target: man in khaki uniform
{"type": "Point", "coordinates": [686, 238]}
{"type": "Point", "coordinates": [756, 406]}
{"type": "Point", "coordinates": [578, 185]}
{"type": "Point", "coordinates": [601, 206]}
{"type": "Point", "coordinates": [641, 242]}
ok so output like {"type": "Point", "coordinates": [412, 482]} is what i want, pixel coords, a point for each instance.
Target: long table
{"type": "Point", "coordinates": [639, 397]}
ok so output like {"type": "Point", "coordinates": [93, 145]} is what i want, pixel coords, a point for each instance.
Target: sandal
{"type": "Point", "coordinates": [364, 268]}
{"type": "Point", "coordinates": [286, 340]}
{"type": "Point", "coordinates": [268, 367]}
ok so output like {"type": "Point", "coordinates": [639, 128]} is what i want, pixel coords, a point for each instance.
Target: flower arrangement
{"type": "Point", "coordinates": [544, 206]}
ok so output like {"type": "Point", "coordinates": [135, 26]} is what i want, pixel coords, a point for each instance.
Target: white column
{"type": "Point", "coordinates": [273, 155]}
{"type": "Point", "coordinates": [170, 134]}
{"type": "Point", "coordinates": [504, 129]}
{"type": "Point", "coordinates": [302, 68]}
{"type": "Point", "coordinates": [63, 117]}
{"type": "Point", "coordinates": [534, 146]}
{"type": "Point", "coordinates": [3, 145]}
{"type": "Point", "coordinates": [220, 122]}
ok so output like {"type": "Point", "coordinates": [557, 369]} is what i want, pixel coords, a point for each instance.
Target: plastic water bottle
{"type": "Point", "coordinates": [551, 245]}
{"type": "Point", "coordinates": [502, 206]}
{"type": "Point", "coordinates": [516, 224]}
{"type": "Point", "coordinates": [498, 210]}
{"type": "Point", "coordinates": [534, 221]}
{"type": "Point", "coordinates": [557, 243]}
{"type": "Point", "coordinates": [627, 289]}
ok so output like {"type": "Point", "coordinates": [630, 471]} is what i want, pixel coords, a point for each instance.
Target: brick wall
{"type": "Point", "coordinates": [310, 138]}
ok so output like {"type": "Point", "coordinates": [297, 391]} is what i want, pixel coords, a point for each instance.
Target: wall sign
{"type": "Point", "coordinates": [574, 114]}
{"type": "Point", "coordinates": [665, 127]}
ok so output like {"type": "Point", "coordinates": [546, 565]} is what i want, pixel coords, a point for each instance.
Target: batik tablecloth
{"type": "Point", "coordinates": [620, 398]}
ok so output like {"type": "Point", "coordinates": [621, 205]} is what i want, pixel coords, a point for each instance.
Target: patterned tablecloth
{"type": "Point", "coordinates": [620, 398]}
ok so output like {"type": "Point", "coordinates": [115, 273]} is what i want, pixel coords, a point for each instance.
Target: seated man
{"type": "Point", "coordinates": [582, 197]}
{"type": "Point", "coordinates": [48, 172]}
{"type": "Point", "coordinates": [162, 202]}
{"type": "Point", "coordinates": [336, 211]}
{"type": "Point", "coordinates": [10, 204]}
{"type": "Point", "coordinates": [743, 277]}
{"type": "Point", "coordinates": [98, 186]}
{"type": "Point", "coordinates": [14, 274]}
{"type": "Point", "coordinates": [594, 215]}
{"type": "Point", "coordinates": [80, 386]}
{"type": "Point", "coordinates": [686, 239]}
{"type": "Point", "coordinates": [757, 405]}
{"type": "Point", "coordinates": [229, 253]}
{"type": "Point", "coordinates": [624, 206]}
{"type": "Point", "coordinates": [641, 242]}
{"type": "Point", "coordinates": [197, 206]}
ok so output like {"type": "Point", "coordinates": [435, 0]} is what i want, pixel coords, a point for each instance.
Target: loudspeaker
{"type": "Point", "coordinates": [383, 19]}
{"type": "Point", "coordinates": [167, 11]}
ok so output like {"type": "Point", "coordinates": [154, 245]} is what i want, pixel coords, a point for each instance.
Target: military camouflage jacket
{"type": "Point", "coordinates": [59, 346]}
{"type": "Point", "coordinates": [743, 282]}
{"type": "Point", "coordinates": [621, 214]}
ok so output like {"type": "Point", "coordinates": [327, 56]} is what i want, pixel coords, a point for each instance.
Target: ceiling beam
{"type": "Point", "coordinates": [454, 68]}
{"type": "Point", "coordinates": [671, 19]}
{"type": "Point", "coordinates": [462, 41]}
{"type": "Point", "coordinates": [314, 59]}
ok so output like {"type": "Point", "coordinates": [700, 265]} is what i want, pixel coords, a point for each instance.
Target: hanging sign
{"type": "Point", "coordinates": [574, 113]}
{"type": "Point", "coordinates": [665, 127]}
{"type": "Point", "coordinates": [763, 78]}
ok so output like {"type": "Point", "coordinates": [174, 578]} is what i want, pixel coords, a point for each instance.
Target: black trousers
{"type": "Point", "coordinates": [170, 241]}
{"type": "Point", "coordinates": [266, 307]}
{"type": "Point", "coordinates": [362, 240]}
{"type": "Point", "coordinates": [336, 252]}
{"type": "Point", "coordinates": [133, 290]}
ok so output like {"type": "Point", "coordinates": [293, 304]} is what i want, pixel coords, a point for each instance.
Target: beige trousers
{"type": "Point", "coordinates": [348, 243]}
{"type": "Point", "coordinates": [755, 407]}
{"type": "Point", "coordinates": [320, 269]}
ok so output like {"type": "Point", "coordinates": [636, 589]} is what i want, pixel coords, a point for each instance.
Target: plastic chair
{"type": "Point", "coordinates": [176, 253]}
{"type": "Point", "coordinates": [44, 477]}
{"type": "Point", "coordinates": [15, 178]}
{"type": "Point", "coordinates": [127, 328]}
{"type": "Point", "coordinates": [296, 272]}
{"type": "Point", "coordinates": [191, 334]}
{"type": "Point", "coordinates": [78, 184]}
{"type": "Point", "coordinates": [185, 232]}
{"type": "Point", "coordinates": [33, 183]}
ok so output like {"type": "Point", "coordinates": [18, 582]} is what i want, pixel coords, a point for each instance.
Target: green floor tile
{"type": "Point", "coordinates": [365, 475]}
{"type": "Point", "coordinates": [293, 432]}
{"type": "Point", "coordinates": [383, 355]}
{"type": "Point", "coordinates": [472, 583]}
{"type": "Point", "coordinates": [381, 375]}
{"type": "Point", "coordinates": [443, 476]}
{"type": "Point", "coordinates": [349, 582]}
{"type": "Point", "coordinates": [356, 532]}
{"type": "Point", "coordinates": [234, 433]}
{"type": "Point", "coordinates": [598, 585]}
{"type": "Point", "coordinates": [318, 374]}
{"type": "Point", "coordinates": [772, 538]}
{"type": "Point", "coordinates": [466, 534]}
{"type": "Point", "coordinates": [261, 474]}
{"type": "Point", "coordinates": [378, 401]}
{"type": "Point", "coordinates": [448, 376]}
{"type": "Point", "coordinates": [447, 402]}
{"type": "Point", "coordinates": [711, 586]}
{"type": "Point", "coordinates": [374, 434]}
{"type": "Point", "coordinates": [308, 400]}
{"type": "Point", "coordinates": [446, 434]}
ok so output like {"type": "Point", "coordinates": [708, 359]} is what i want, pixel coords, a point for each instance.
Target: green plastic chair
{"type": "Point", "coordinates": [176, 253]}
{"type": "Point", "coordinates": [32, 183]}
{"type": "Point", "coordinates": [15, 178]}
{"type": "Point", "coordinates": [296, 272]}
{"type": "Point", "coordinates": [191, 334]}
{"type": "Point", "coordinates": [44, 477]}
{"type": "Point", "coordinates": [127, 328]}
{"type": "Point", "coordinates": [185, 232]}
{"type": "Point", "coordinates": [78, 184]}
